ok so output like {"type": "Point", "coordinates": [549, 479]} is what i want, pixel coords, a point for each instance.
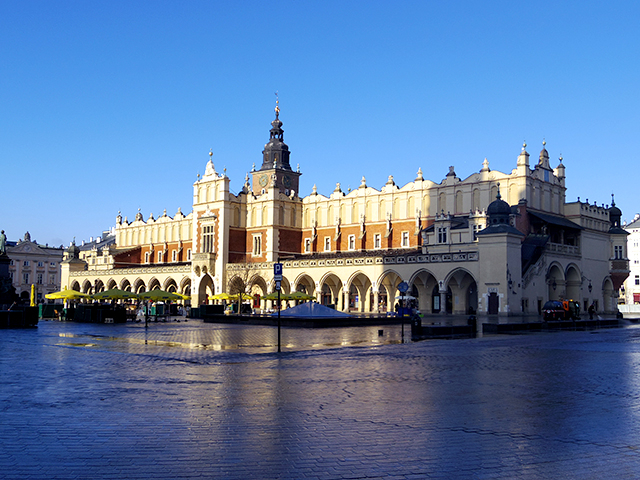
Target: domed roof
{"type": "Point", "coordinates": [498, 211]}
{"type": "Point", "coordinates": [498, 206]}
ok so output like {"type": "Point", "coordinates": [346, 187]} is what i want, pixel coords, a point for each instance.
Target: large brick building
{"type": "Point", "coordinates": [492, 243]}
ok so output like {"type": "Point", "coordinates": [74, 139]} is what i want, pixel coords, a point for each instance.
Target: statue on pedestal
{"type": "Point", "coordinates": [3, 243]}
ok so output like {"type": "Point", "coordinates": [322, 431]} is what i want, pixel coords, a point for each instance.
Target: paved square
{"type": "Point", "coordinates": [193, 400]}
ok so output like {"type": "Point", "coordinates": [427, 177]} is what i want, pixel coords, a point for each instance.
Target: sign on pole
{"type": "Point", "coordinates": [277, 272]}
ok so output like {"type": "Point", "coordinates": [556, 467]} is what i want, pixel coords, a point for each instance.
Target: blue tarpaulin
{"type": "Point", "coordinates": [311, 310]}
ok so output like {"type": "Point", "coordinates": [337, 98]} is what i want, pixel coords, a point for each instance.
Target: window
{"type": "Point", "coordinates": [41, 264]}
{"type": "Point", "coordinates": [442, 234]}
{"type": "Point", "coordinates": [476, 229]}
{"type": "Point", "coordinates": [188, 254]}
{"type": "Point", "coordinates": [52, 264]}
{"type": "Point", "coordinates": [174, 256]}
{"type": "Point", "coordinates": [146, 257]}
{"type": "Point", "coordinates": [257, 245]}
{"type": "Point", "coordinates": [207, 239]}
{"type": "Point", "coordinates": [25, 277]}
{"type": "Point", "coordinates": [352, 242]}
{"type": "Point", "coordinates": [617, 251]}
{"type": "Point", "coordinates": [377, 240]}
{"type": "Point", "coordinates": [405, 239]}
{"type": "Point", "coordinates": [160, 255]}
{"type": "Point", "coordinates": [39, 279]}
{"type": "Point", "coordinates": [25, 263]}
{"type": "Point", "coordinates": [52, 279]}
{"type": "Point", "coordinates": [637, 279]}
{"type": "Point", "coordinates": [307, 245]}
{"type": "Point", "coordinates": [327, 244]}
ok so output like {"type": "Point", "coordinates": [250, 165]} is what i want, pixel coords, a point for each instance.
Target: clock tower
{"type": "Point", "coordinates": [276, 170]}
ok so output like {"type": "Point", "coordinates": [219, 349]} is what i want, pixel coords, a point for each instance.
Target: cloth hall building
{"type": "Point", "coordinates": [495, 244]}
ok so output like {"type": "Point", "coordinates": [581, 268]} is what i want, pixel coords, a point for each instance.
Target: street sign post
{"type": "Point", "coordinates": [277, 277]}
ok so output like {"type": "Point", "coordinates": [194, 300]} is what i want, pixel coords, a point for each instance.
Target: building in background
{"type": "Point", "coordinates": [496, 244]}
{"type": "Point", "coordinates": [631, 289]}
{"type": "Point", "coordinates": [32, 263]}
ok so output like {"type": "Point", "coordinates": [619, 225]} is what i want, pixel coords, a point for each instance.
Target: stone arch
{"type": "Point", "coordinates": [421, 287]}
{"type": "Point", "coordinates": [608, 296]}
{"type": "Point", "coordinates": [125, 285]}
{"type": "Point", "coordinates": [331, 290]}
{"type": "Point", "coordinates": [359, 293]}
{"type": "Point", "coordinates": [463, 288]}
{"type": "Point", "coordinates": [185, 286]}
{"type": "Point", "coordinates": [388, 290]}
{"type": "Point", "coordinates": [75, 286]}
{"type": "Point", "coordinates": [573, 282]}
{"type": "Point", "coordinates": [555, 281]}
{"type": "Point", "coordinates": [111, 284]}
{"type": "Point", "coordinates": [139, 286]}
{"type": "Point", "coordinates": [304, 283]}
{"type": "Point", "coordinates": [170, 285]}
{"type": "Point", "coordinates": [98, 287]}
{"type": "Point", "coordinates": [87, 287]}
{"type": "Point", "coordinates": [205, 288]}
{"type": "Point", "coordinates": [154, 284]}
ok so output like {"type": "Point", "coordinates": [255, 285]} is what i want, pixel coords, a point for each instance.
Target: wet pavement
{"type": "Point", "coordinates": [194, 400]}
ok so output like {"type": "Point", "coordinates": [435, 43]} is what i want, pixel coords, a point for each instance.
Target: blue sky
{"type": "Point", "coordinates": [113, 106]}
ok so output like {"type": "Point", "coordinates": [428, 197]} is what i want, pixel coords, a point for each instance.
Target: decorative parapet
{"type": "Point", "coordinates": [368, 260]}
{"type": "Point", "coordinates": [562, 249]}
{"type": "Point", "coordinates": [147, 269]}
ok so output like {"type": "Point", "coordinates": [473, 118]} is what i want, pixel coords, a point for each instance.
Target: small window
{"type": "Point", "coordinates": [637, 279]}
{"type": "Point", "coordinates": [327, 244]}
{"type": "Point", "coordinates": [405, 239]}
{"type": "Point", "coordinates": [25, 263]}
{"type": "Point", "coordinates": [25, 277]}
{"type": "Point", "coordinates": [174, 256]}
{"type": "Point", "coordinates": [52, 279]}
{"type": "Point", "coordinates": [352, 242]}
{"type": "Point", "coordinates": [52, 264]}
{"type": "Point", "coordinates": [146, 257]}
{"type": "Point", "coordinates": [257, 245]}
{"type": "Point", "coordinates": [307, 245]}
{"type": "Point", "coordinates": [39, 279]}
{"type": "Point", "coordinates": [188, 254]}
{"type": "Point", "coordinates": [617, 252]}
{"type": "Point", "coordinates": [160, 255]}
{"type": "Point", "coordinates": [41, 264]}
{"type": "Point", "coordinates": [442, 234]}
{"type": "Point", "coordinates": [377, 238]}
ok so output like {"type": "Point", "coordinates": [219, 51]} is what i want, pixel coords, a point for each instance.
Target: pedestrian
{"type": "Point", "coordinates": [591, 311]}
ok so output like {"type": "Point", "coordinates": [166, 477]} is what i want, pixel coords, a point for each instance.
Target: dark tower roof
{"type": "Point", "coordinates": [276, 152]}
{"type": "Point", "coordinates": [615, 216]}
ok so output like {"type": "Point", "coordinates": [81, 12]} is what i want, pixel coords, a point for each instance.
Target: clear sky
{"type": "Point", "coordinates": [113, 106]}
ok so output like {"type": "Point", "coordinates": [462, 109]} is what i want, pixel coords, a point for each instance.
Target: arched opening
{"type": "Point", "coordinates": [205, 289]}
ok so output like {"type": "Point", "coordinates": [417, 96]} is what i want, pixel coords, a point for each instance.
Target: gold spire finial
{"type": "Point", "coordinates": [277, 109]}
{"type": "Point", "coordinates": [210, 152]}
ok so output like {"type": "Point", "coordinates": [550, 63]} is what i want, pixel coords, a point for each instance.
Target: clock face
{"type": "Point", "coordinates": [286, 181]}
{"type": "Point", "coordinates": [263, 180]}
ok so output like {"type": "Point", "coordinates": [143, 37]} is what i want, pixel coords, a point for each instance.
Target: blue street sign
{"type": "Point", "coordinates": [277, 272]}
{"type": "Point", "coordinates": [403, 287]}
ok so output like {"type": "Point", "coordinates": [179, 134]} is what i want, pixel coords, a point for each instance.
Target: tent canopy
{"type": "Point", "coordinates": [311, 310]}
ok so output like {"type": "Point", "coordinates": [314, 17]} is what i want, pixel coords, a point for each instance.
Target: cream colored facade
{"type": "Point", "coordinates": [34, 264]}
{"type": "Point", "coordinates": [353, 249]}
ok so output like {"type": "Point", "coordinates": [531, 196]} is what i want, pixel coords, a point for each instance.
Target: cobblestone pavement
{"type": "Point", "coordinates": [170, 402]}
